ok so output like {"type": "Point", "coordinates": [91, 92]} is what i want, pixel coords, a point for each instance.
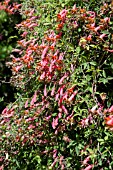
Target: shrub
{"type": "Point", "coordinates": [61, 118]}
{"type": "Point", "coordinates": [8, 38]}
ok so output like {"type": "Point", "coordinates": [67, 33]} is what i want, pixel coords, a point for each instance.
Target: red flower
{"type": "Point", "coordinates": [109, 121]}
{"type": "Point", "coordinates": [62, 15]}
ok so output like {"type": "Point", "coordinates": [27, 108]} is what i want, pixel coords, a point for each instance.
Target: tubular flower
{"type": "Point", "coordinates": [55, 122]}
{"type": "Point", "coordinates": [72, 96]}
{"type": "Point", "coordinates": [62, 15]}
{"type": "Point", "coordinates": [89, 167]}
{"type": "Point", "coordinates": [110, 109]}
{"type": "Point", "coordinates": [102, 36]}
{"type": "Point", "coordinates": [109, 121]}
{"type": "Point", "coordinates": [86, 160]}
{"type": "Point", "coordinates": [74, 9]}
{"type": "Point", "coordinates": [62, 79]}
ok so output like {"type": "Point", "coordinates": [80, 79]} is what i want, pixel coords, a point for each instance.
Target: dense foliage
{"type": "Point", "coordinates": [8, 37]}
{"type": "Point", "coordinates": [62, 116]}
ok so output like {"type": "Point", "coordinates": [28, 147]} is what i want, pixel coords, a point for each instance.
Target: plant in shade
{"type": "Point", "coordinates": [59, 72]}
{"type": "Point", "coordinates": [8, 38]}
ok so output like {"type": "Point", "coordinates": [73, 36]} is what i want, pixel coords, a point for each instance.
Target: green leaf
{"type": "Point", "coordinates": [1, 99]}
{"type": "Point", "coordinates": [93, 63]}
{"type": "Point", "coordinates": [78, 50]}
{"type": "Point", "coordinates": [105, 32]}
{"type": "Point", "coordinates": [90, 150]}
{"type": "Point", "coordinates": [77, 150]}
{"type": "Point", "coordinates": [37, 158]}
{"type": "Point", "coordinates": [93, 46]}
{"type": "Point", "coordinates": [100, 140]}
{"type": "Point", "coordinates": [103, 80]}
{"type": "Point", "coordinates": [106, 138]}
{"type": "Point", "coordinates": [104, 74]}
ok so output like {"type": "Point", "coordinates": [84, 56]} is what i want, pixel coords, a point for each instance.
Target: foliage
{"type": "Point", "coordinates": [62, 117]}
{"type": "Point", "coordinates": [8, 37]}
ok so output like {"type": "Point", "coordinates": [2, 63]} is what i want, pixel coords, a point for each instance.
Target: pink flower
{"type": "Point", "coordinates": [32, 18]}
{"type": "Point", "coordinates": [110, 50]}
{"type": "Point", "coordinates": [44, 52]}
{"type": "Point", "coordinates": [64, 109]}
{"type": "Point", "coordinates": [110, 109]}
{"type": "Point", "coordinates": [61, 56]}
{"type": "Point", "coordinates": [66, 139]}
{"type": "Point", "coordinates": [33, 99]}
{"type": "Point", "coordinates": [53, 91]}
{"type": "Point", "coordinates": [24, 34]}
{"type": "Point", "coordinates": [72, 96]}
{"type": "Point", "coordinates": [50, 68]}
{"type": "Point", "coordinates": [17, 51]}
{"type": "Point", "coordinates": [62, 79]}
{"type": "Point", "coordinates": [42, 76]}
{"type": "Point", "coordinates": [93, 25]}
{"type": "Point", "coordinates": [2, 167]}
{"type": "Point", "coordinates": [33, 25]}
{"type": "Point", "coordinates": [75, 25]}
{"type": "Point", "coordinates": [45, 151]}
{"type": "Point", "coordinates": [45, 91]}
{"type": "Point", "coordinates": [53, 45]}
{"type": "Point", "coordinates": [2, 122]}
{"type": "Point", "coordinates": [102, 36]}
{"type": "Point", "coordinates": [65, 96]}
{"type": "Point", "coordinates": [62, 15]}
{"type": "Point", "coordinates": [60, 101]}
{"type": "Point", "coordinates": [107, 19]}
{"type": "Point", "coordinates": [8, 113]}
{"type": "Point", "coordinates": [69, 117]}
{"type": "Point", "coordinates": [5, 111]}
{"type": "Point", "coordinates": [17, 68]}
{"type": "Point", "coordinates": [37, 123]}
{"type": "Point", "coordinates": [92, 14]}
{"type": "Point", "coordinates": [74, 8]}
{"type": "Point", "coordinates": [72, 67]}
{"type": "Point", "coordinates": [59, 115]}
{"type": "Point", "coordinates": [54, 153]}
{"type": "Point", "coordinates": [31, 127]}
{"type": "Point", "coordinates": [97, 28]}
{"type": "Point", "coordinates": [63, 12]}
{"type": "Point", "coordinates": [56, 131]}
{"type": "Point", "coordinates": [61, 162]}
{"type": "Point", "coordinates": [94, 109]}
{"type": "Point", "coordinates": [89, 167]}
{"type": "Point", "coordinates": [57, 96]}
{"type": "Point", "coordinates": [26, 104]}
{"type": "Point", "coordinates": [1, 159]}
{"type": "Point", "coordinates": [29, 119]}
{"type": "Point", "coordinates": [55, 122]}
{"type": "Point", "coordinates": [84, 122]}
{"type": "Point", "coordinates": [86, 160]}
{"type": "Point", "coordinates": [60, 90]}
{"type": "Point", "coordinates": [55, 160]}
{"type": "Point", "coordinates": [47, 118]}
{"type": "Point", "coordinates": [31, 12]}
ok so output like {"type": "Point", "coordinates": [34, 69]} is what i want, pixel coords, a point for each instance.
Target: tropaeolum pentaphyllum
{"type": "Point", "coordinates": [47, 114]}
